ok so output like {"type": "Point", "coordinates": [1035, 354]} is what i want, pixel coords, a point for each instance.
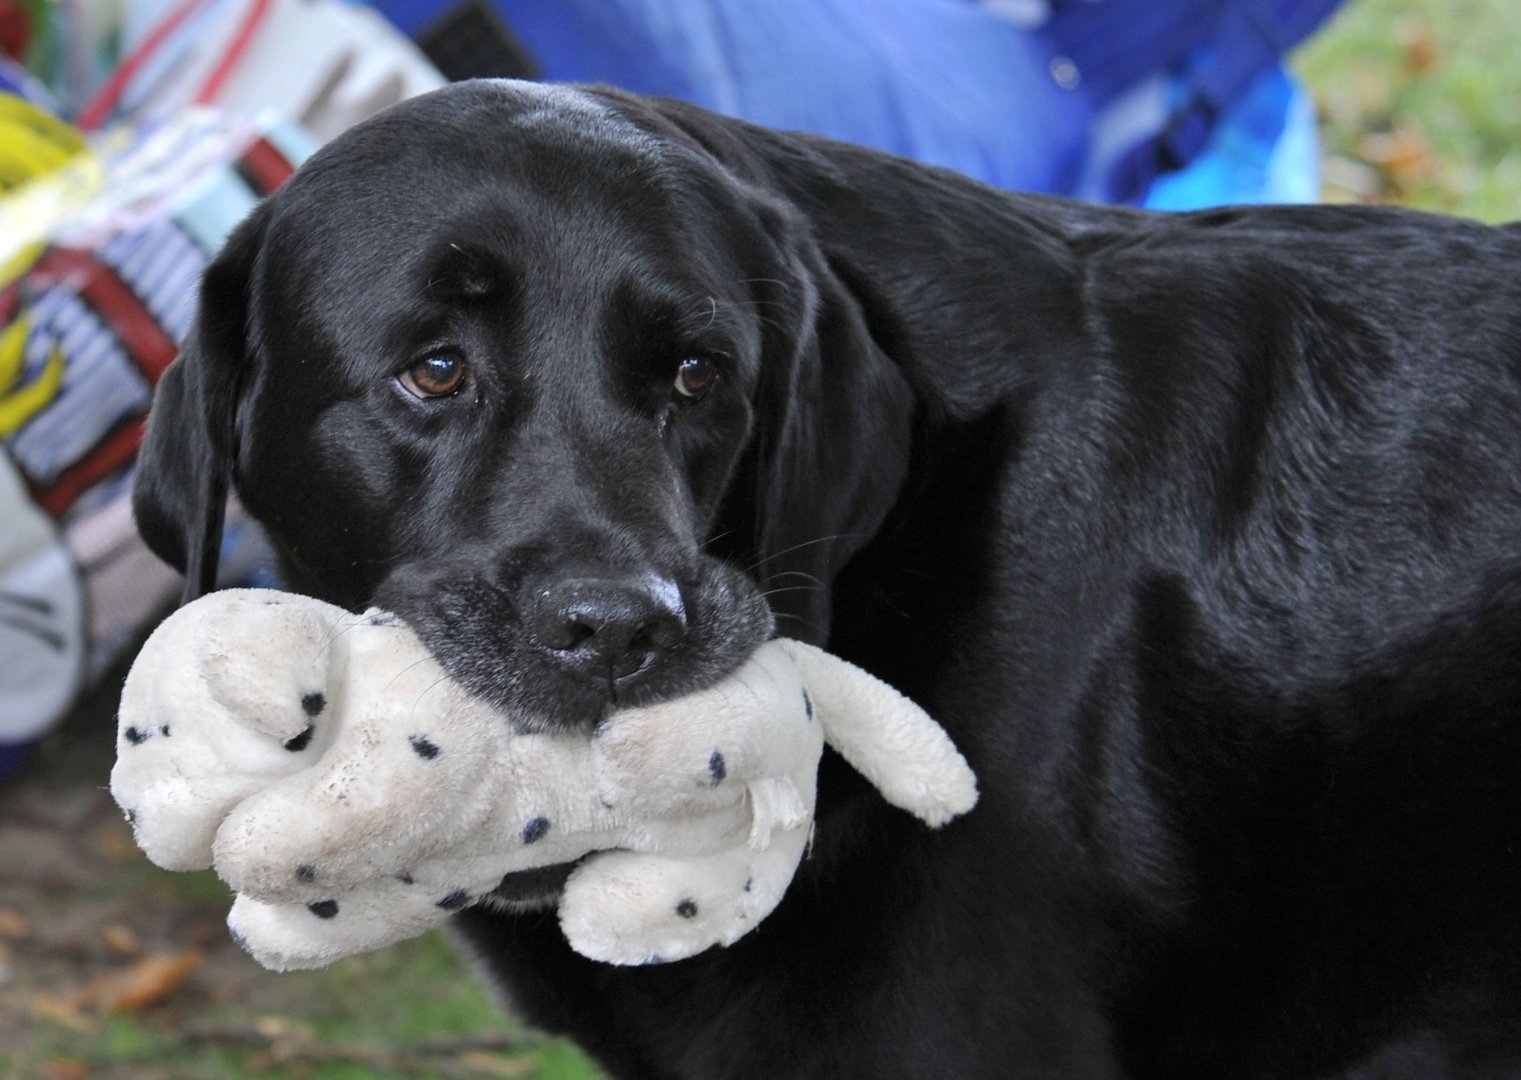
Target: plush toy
{"type": "Point", "coordinates": [352, 795]}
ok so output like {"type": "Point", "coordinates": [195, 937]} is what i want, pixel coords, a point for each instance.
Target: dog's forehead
{"type": "Point", "coordinates": [496, 129]}
{"type": "Point", "coordinates": [480, 159]}
{"type": "Point", "coordinates": [549, 106]}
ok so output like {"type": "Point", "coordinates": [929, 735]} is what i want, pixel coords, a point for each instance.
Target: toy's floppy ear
{"type": "Point", "coordinates": [886, 737]}
{"type": "Point", "coordinates": [184, 467]}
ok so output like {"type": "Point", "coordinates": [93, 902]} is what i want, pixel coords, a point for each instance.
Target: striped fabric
{"type": "Point", "coordinates": [86, 331]}
{"type": "Point", "coordinates": [114, 316]}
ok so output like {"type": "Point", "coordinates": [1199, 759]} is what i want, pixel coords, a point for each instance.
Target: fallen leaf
{"type": "Point", "coordinates": [147, 982]}
{"type": "Point", "coordinates": [13, 924]}
{"type": "Point", "coordinates": [62, 1011]}
{"type": "Point", "coordinates": [122, 940]}
{"type": "Point", "coordinates": [115, 843]}
{"type": "Point", "coordinates": [204, 933]}
{"type": "Point", "coordinates": [63, 1069]}
{"type": "Point", "coordinates": [275, 1028]}
{"type": "Point", "coordinates": [1419, 45]}
{"type": "Point", "coordinates": [1403, 154]}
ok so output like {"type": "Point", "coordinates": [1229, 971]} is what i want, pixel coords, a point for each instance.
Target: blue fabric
{"type": "Point", "coordinates": [943, 81]}
{"type": "Point", "coordinates": [1264, 150]}
{"type": "Point", "coordinates": [948, 82]}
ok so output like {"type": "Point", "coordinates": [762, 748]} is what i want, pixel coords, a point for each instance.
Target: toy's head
{"type": "Point", "coordinates": [214, 710]}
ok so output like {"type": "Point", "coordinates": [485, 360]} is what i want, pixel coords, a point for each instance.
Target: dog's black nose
{"type": "Point", "coordinates": [615, 625]}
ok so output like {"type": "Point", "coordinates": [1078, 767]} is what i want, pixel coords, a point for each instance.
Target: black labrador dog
{"type": "Point", "coordinates": [1200, 533]}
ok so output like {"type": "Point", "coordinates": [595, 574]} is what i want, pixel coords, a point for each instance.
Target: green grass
{"type": "Point", "coordinates": [395, 1011]}
{"type": "Point", "coordinates": [1442, 78]}
{"type": "Point", "coordinates": [408, 1011]}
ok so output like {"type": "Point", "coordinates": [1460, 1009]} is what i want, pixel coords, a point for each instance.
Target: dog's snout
{"type": "Point", "coordinates": [616, 625]}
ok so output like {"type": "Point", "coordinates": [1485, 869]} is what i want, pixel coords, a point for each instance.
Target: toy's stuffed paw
{"type": "Point", "coordinates": [892, 742]}
{"type": "Point", "coordinates": [298, 936]}
{"type": "Point", "coordinates": [214, 710]}
{"type": "Point", "coordinates": [626, 908]}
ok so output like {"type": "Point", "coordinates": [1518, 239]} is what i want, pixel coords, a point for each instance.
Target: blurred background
{"type": "Point", "coordinates": [133, 135]}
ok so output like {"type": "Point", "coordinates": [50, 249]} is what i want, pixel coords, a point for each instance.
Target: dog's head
{"type": "Point", "coordinates": [536, 369]}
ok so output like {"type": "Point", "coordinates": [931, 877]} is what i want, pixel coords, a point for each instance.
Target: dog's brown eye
{"type": "Point", "coordinates": [695, 377]}
{"type": "Point", "coordinates": [434, 376]}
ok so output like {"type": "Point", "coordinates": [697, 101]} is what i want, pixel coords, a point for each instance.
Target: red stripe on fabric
{"type": "Point", "coordinates": [121, 308]}
{"type": "Point", "coordinates": [266, 165]}
{"type": "Point", "coordinates": [111, 454]}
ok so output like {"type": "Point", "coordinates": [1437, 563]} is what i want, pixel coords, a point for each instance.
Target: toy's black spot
{"type": "Point", "coordinates": [135, 736]}
{"type": "Point", "coordinates": [313, 703]}
{"type": "Point", "coordinates": [306, 872]}
{"type": "Point", "coordinates": [424, 748]}
{"type": "Point", "coordinates": [323, 909]}
{"type": "Point", "coordinates": [535, 830]}
{"type": "Point", "coordinates": [164, 730]}
{"type": "Point", "coordinates": [748, 883]}
{"type": "Point", "coordinates": [807, 705]}
{"type": "Point", "coordinates": [296, 743]}
{"type": "Point", "coordinates": [383, 619]}
{"type": "Point", "coordinates": [131, 817]}
{"type": "Point", "coordinates": [686, 909]}
{"type": "Point", "coordinates": [455, 900]}
{"type": "Point", "coordinates": [406, 879]}
{"type": "Point", "coordinates": [716, 767]}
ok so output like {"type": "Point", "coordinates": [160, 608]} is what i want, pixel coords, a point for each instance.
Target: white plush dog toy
{"type": "Point", "coordinates": [352, 795]}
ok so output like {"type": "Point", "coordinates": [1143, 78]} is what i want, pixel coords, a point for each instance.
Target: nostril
{"type": "Point", "coordinates": [662, 632]}
{"type": "Point", "coordinates": [562, 630]}
{"type": "Point", "coordinates": [617, 624]}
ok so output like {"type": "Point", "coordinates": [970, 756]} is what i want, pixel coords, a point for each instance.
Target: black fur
{"type": "Point", "coordinates": [1199, 533]}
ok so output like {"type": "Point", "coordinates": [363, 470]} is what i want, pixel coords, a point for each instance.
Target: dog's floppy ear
{"type": "Point", "coordinates": [184, 468]}
{"type": "Point", "coordinates": [832, 443]}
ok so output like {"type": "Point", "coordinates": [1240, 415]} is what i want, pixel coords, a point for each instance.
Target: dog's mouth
{"type": "Point", "coordinates": [549, 672]}
{"type": "Point", "coordinates": [529, 890]}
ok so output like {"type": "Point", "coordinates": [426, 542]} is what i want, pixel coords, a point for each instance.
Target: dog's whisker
{"type": "Point", "coordinates": [796, 573]}
{"type": "Point", "coordinates": [791, 588]}
{"type": "Point", "coordinates": [337, 630]}
{"type": "Point", "coordinates": [409, 667]}
{"type": "Point", "coordinates": [429, 689]}
{"type": "Point", "coordinates": [798, 547]}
